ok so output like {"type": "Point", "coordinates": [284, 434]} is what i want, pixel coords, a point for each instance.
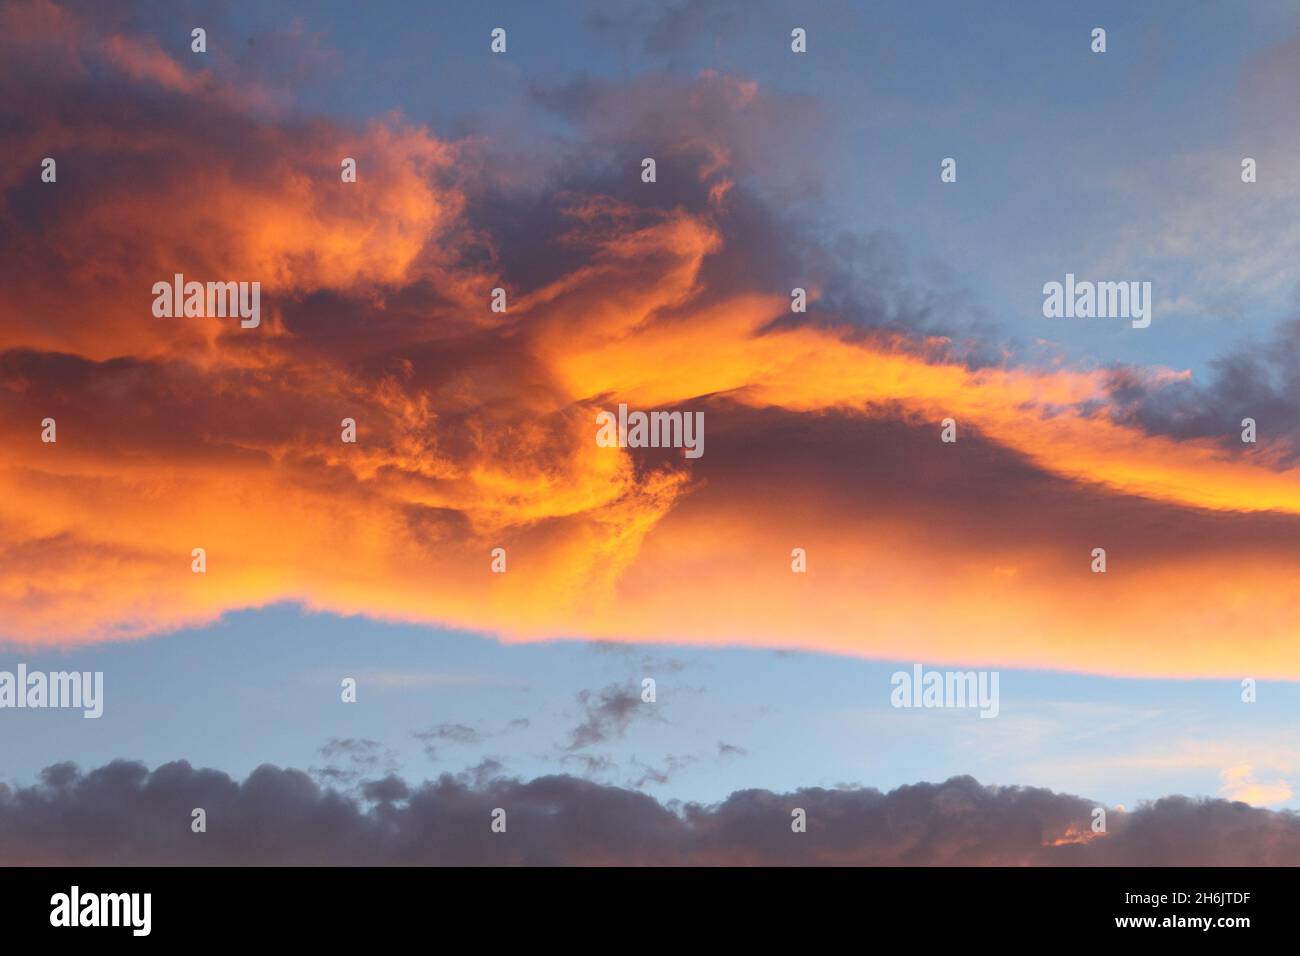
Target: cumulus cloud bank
{"type": "Point", "coordinates": [125, 814]}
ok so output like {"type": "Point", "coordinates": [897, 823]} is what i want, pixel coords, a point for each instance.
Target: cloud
{"type": "Point", "coordinates": [360, 755]}
{"type": "Point", "coordinates": [486, 770]}
{"type": "Point", "coordinates": [649, 775]}
{"type": "Point", "coordinates": [665, 28]}
{"type": "Point", "coordinates": [475, 428]}
{"type": "Point", "coordinates": [124, 814]}
{"type": "Point", "coordinates": [385, 790]}
{"type": "Point", "coordinates": [1239, 783]}
{"type": "Point", "coordinates": [351, 747]}
{"type": "Point", "coordinates": [454, 733]}
{"type": "Point", "coordinates": [1260, 381]}
{"type": "Point", "coordinates": [608, 714]}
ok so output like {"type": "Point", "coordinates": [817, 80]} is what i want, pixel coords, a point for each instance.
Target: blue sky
{"type": "Point", "coordinates": [263, 686]}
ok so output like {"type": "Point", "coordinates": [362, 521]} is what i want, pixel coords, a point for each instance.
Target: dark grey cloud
{"type": "Point", "coordinates": [759, 455]}
{"type": "Point", "coordinates": [1259, 381]}
{"type": "Point", "coordinates": [122, 813]}
{"type": "Point", "coordinates": [385, 790]}
{"type": "Point", "coordinates": [593, 765]}
{"type": "Point", "coordinates": [357, 749]}
{"type": "Point", "coordinates": [456, 733]}
{"type": "Point", "coordinates": [452, 733]}
{"type": "Point", "coordinates": [486, 770]}
{"type": "Point", "coordinates": [462, 734]}
{"type": "Point", "coordinates": [351, 758]}
{"type": "Point", "coordinates": [335, 775]}
{"type": "Point", "coordinates": [648, 775]}
{"type": "Point", "coordinates": [608, 714]}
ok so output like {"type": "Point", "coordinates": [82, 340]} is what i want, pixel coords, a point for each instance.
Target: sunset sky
{"type": "Point", "coordinates": [476, 429]}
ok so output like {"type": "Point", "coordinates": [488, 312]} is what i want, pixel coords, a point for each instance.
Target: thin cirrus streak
{"type": "Point", "coordinates": [476, 429]}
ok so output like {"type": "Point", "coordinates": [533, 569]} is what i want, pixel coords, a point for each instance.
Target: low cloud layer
{"type": "Point", "coordinates": [124, 814]}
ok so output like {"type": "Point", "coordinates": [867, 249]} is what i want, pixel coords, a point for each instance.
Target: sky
{"type": "Point", "coordinates": [475, 429]}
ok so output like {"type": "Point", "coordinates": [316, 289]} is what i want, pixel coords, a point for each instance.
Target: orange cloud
{"type": "Point", "coordinates": [476, 429]}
